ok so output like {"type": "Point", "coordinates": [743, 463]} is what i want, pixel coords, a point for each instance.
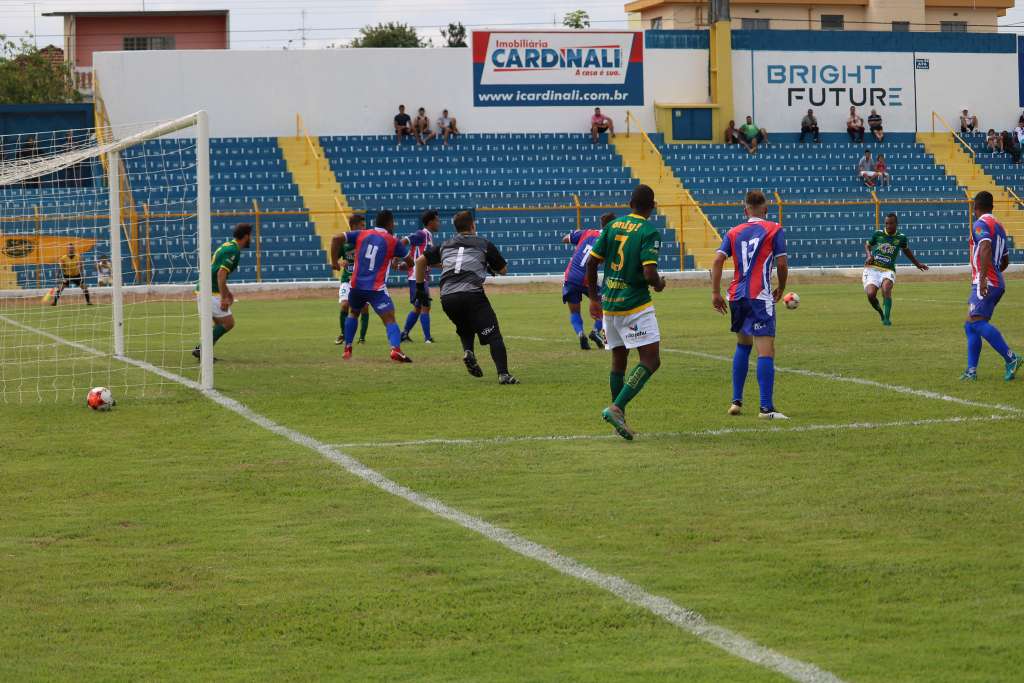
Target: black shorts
{"type": "Point", "coordinates": [602, 129]}
{"type": "Point", "coordinates": [471, 313]}
{"type": "Point", "coordinates": [77, 280]}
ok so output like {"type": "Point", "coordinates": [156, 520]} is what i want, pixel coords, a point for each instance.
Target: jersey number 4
{"type": "Point", "coordinates": [371, 254]}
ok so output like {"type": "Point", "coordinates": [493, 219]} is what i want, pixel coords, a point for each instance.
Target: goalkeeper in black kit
{"type": "Point", "coordinates": [465, 261]}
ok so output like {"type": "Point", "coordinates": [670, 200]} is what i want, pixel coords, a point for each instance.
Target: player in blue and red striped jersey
{"type": "Point", "coordinates": [756, 247]}
{"type": "Point", "coordinates": [989, 258]}
{"type": "Point", "coordinates": [574, 288]}
{"type": "Point", "coordinates": [419, 242]}
{"type": "Point", "coordinates": [374, 250]}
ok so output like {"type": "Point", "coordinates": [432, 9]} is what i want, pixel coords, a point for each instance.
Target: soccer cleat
{"type": "Point", "coordinates": [736, 408]}
{"type": "Point", "coordinates": [196, 353]}
{"type": "Point", "coordinates": [362, 340]}
{"type": "Point", "coordinates": [405, 337]}
{"type": "Point", "coordinates": [1011, 367]}
{"type": "Point", "coordinates": [583, 343]}
{"type": "Point", "coordinates": [886, 322]}
{"type": "Point", "coordinates": [596, 338]}
{"type": "Point", "coordinates": [614, 416]}
{"type": "Point", "coordinates": [347, 353]}
{"type": "Point", "coordinates": [507, 379]}
{"type": "Point", "coordinates": [970, 375]}
{"type": "Point", "coordinates": [429, 340]}
{"type": "Point", "coordinates": [340, 340]}
{"type": "Point", "coordinates": [399, 357]}
{"type": "Point", "coordinates": [471, 365]}
{"type": "Point", "coordinates": [771, 414]}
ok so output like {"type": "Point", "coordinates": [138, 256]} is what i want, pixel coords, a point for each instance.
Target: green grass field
{"type": "Point", "coordinates": [873, 535]}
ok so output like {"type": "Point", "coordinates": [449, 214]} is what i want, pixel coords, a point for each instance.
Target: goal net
{"type": "Point", "coordinates": [103, 235]}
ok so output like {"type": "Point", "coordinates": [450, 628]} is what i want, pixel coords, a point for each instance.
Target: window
{"type": "Point", "coordinates": [831, 22]}
{"type": "Point", "coordinates": [953, 26]}
{"type": "Point", "coordinates": [754, 24]}
{"type": "Point", "coordinates": [900, 26]}
{"type": "Point", "coordinates": [148, 42]}
{"type": "Point", "coordinates": [656, 24]}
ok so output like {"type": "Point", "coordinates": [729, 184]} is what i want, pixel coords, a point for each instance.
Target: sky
{"type": "Point", "coordinates": [276, 24]}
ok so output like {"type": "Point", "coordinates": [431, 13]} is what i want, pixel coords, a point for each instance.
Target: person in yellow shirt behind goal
{"type": "Point", "coordinates": [71, 274]}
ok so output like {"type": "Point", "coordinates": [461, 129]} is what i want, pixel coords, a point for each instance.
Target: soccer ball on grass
{"type": "Point", "coordinates": [792, 300]}
{"type": "Point", "coordinates": [100, 398]}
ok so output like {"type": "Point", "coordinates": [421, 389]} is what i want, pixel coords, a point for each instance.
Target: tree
{"type": "Point", "coordinates": [455, 34]}
{"type": "Point", "coordinates": [28, 77]}
{"type": "Point", "coordinates": [391, 34]}
{"type": "Point", "coordinates": [577, 19]}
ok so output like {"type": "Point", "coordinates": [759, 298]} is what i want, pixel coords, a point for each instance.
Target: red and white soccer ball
{"type": "Point", "coordinates": [100, 398]}
{"type": "Point", "coordinates": [792, 300]}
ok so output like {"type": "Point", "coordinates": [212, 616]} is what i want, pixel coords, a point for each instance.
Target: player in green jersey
{"type": "Point", "coordinates": [883, 249]}
{"type": "Point", "coordinates": [628, 248]}
{"type": "Point", "coordinates": [341, 251]}
{"type": "Point", "coordinates": [224, 262]}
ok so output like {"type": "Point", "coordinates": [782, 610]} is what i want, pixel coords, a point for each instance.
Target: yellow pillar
{"type": "Point", "coordinates": [720, 56]}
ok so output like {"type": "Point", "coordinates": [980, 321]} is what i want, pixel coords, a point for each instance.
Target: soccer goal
{"type": "Point", "coordinates": [104, 241]}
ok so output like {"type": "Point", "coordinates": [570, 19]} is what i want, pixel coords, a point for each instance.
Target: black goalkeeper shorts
{"type": "Point", "coordinates": [471, 313]}
{"type": "Point", "coordinates": [77, 281]}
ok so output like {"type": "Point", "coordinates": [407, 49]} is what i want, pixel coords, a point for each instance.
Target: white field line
{"type": "Point", "coordinates": [921, 393]}
{"type": "Point", "coordinates": [685, 619]}
{"type": "Point", "coordinates": [700, 433]}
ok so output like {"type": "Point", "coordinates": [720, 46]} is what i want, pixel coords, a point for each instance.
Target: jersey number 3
{"type": "Point", "coordinates": [620, 255]}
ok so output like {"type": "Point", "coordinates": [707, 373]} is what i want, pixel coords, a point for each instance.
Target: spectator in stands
{"type": "Point", "coordinates": [866, 169]}
{"type": "Point", "coordinates": [875, 126]}
{"type": "Point", "coordinates": [403, 124]}
{"type": "Point", "coordinates": [1019, 132]}
{"type": "Point", "coordinates": [855, 126]}
{"type": "Point", "coordinates": [753, 135]}
{"type": "Point", "coordinates": [1011, 146]}
{"type": "Point", "coordinates": [599, 123]}
{"type": "Point", "coordinates": [447, 126]}
{"type": "Point", "coordinates": [993, 141]}
{"type": "Point", "coordinates": [733, 137]}
{"type": "Point", "coordinates": [882, 170]}
{"type": "Point", "coordinates": [809, 124]}
{"type": "Point", "coordinates": [421, 127]}
{"type": "Point", "coordinates": [968, 122]}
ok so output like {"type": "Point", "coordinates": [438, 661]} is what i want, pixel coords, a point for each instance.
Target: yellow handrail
{"type": "Point", "coordinates": [579, 211]}
{"type": "Point", "coordinates": [778, 203]}
{"type": "Point", "coordinates": [650, 143]}
{"type": "Point", "coordinates": [878, 209]}
{"type": "Point", "coordinates": [957, 136]}
{"type": "Point", "coordinates": [1015, 197]}
{"type": "Point", "coordinates": [300, 131]}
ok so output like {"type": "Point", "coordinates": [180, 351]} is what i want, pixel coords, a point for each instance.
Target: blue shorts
{"type": "Point", "coordinates": [412, 291]}
{"type": "Point", "coordinates": [573, 294]}
{"type": "Point", "coordinates": [753, 317]}
{"type": "Point", "coordinates": [984, 308]}
{"type": "Point", "coordinates": [379, 300]}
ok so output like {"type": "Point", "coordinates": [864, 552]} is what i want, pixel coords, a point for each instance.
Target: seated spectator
{"type": "Point", "coordinates": [855, 126]}
{"type": "Point", "coordinates": [599, 123]}
{"type": "Point", "coordinates": [1011, 146]}
{"type": "Point", "coordinates": [809, 124]}
{"type": "Point", "coordinates": [447, 126]}
{"type": "Point", "coordinates": [753, 135]}
{"type": "Point", "coordinates": [421, 127]}
{"type": "Point", "coordinates": [733, 137]}
{"type": "Point", "coordinates": [875, 126]}
{"type": "Point", "coordinates": [403, 124]}
{"type": "Point", "coordinates": [882, 170]}
{"type": "Point", "coordinates": [866, 169]}
{"type": "Point", "coordinates": [993, 141]}
{"type": "Point", "coordinates": [968, 122]}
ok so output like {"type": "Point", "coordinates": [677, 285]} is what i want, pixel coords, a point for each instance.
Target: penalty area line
{"type": "Point", "coordinates": [681, 617]}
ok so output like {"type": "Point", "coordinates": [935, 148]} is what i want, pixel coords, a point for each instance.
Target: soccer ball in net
{"type": "Point", "coordinates": [792, 300]}
{"type": "Point", "coordinates": [100, 398]}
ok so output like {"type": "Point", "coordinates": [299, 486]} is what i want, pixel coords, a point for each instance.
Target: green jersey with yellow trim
{"type": "Point", "coordinates": [625, 246]}
{"type": "Point", "coordinates": [886, 248]}
{"type": "Point", "coordinates": [347, 250]}
{"type": "Point", "coordinates": [226, 257]}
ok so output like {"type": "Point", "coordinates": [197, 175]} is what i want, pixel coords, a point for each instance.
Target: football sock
{"type": "Point", "coordinates": [617, 380]}
{"type": "Point", "coordinates": [425, 323]}
{"type": "Point", "coordinates": [342, 317]}
{"type": "Point", "coordinates": [467, 341]}
{"type": "Point", "coordinates": [598, 325]}
{"type": "Point", "coordinates": [410, 320]}
{"type": "Point", "coordinates": [740, 365]}
{"type": "Point", "coordinates": [577, 323]}
{"type": "Point", "coordinates": [394, 335]}
{"type": "Point", "coordinates": [350, 330]}
{"type": "Point", "coordinates": [499, 355]}
{"type": "Point", "coordinates": [875, 305]}
{"type": "Point", "coordinates": [994, 337]}
{"type": "Point", "coordinates": [973, 345]}
{"type": "Point", "coordinates": [634, 383]}
{"type": "Point", "coordinates": [886, 308]}
{"type": "Point", "coordinates": [218, 332]}
{"type": "Point", "coordinates": [364, 322]}
{"type": "Point", "coordinates": [86, 292]}
{"type": "Point", "coordinates": [766, 380]}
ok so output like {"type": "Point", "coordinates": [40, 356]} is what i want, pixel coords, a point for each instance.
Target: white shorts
{"type": "Point", "coordinates": [217, 313]}
{"type": "Point", "coordinates": [103, 281]}
{"type": "Point", "coordinates": [876, 276]}
{"type": "Point", "coordinates": [343, 291]}
{"type": "Point", "coordinates": [633, 330]}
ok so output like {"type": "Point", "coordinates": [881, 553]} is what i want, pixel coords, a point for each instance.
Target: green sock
{"type": "Point", "coordinates": [636, 381]}
{"type": "Point", "coordinates": [341, 320]}
{"type": "Point", "coordinates": [364, 322]}
{"type": "Point", "coordinates": [617, 380]}
{"type": "Point", "coordinates": [218, 332]}
{"type": "Point", "coordinates": [886, 307]}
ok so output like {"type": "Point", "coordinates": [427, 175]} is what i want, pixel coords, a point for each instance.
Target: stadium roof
{"type": "Point", "coordinates": [192, 12]}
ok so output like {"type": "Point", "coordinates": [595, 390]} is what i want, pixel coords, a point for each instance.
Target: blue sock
{"type": "Point", "coordinates": [350, 329]}
{"type": "Point", "coordinates": [410, 320]}
{"type": "Point", "coordinates": [766, 380]}
{"type": "Point", "coordinates": [740, 365]}
{"type": "Point", "coordinates": [577, 322]}
{"type": "Point", "coordinates": [425, 322]}
{"type": "Point", "coordinates": [598, 325]}
{"type": "Point", "coordinates": [973, 345]}
{"type": "Point", "coordinates": [394, 335]}
{"type": "Point", "coordinates": [994, 337]}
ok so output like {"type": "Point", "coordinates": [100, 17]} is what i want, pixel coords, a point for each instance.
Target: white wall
{"type": "Point", "coordinates": [351, 91]}
{"type": "Point", "coordinates": [984, 83]}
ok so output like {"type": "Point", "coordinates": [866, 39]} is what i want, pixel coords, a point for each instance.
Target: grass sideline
{"type": "Point", "coordinates": [875, 555]}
